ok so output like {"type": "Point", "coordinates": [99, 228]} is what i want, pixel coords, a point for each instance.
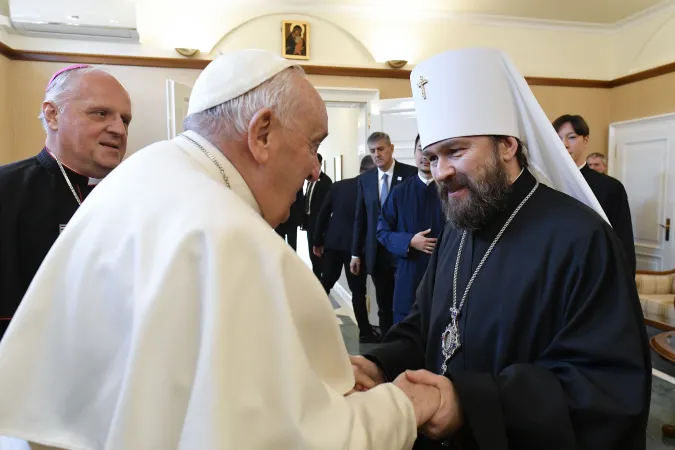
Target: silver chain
{"type": "Point", "coordinates": [454, 311]}
{"type": "Point", "coordinates": [72, 189]}
{"type": "Point", "coordinates": [211, 157]}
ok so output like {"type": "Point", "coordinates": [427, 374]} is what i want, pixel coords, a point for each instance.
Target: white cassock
{"type": "Point", "coordinates": [169, 315]}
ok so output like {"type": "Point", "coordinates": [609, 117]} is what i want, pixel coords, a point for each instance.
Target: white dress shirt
{"type": "Point", "coordinates": [390, 175]}
{"type": "Point", "coordinates": [424, 180]}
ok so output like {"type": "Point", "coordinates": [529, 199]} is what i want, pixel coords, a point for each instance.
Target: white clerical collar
{"type": "Point", "coordinates": [582, 166]}
{"type": "Point", "coordinates": [389, 172]}
{"type": "Point", "coordinates": [521, 172]}
{"type": "Point", "coordinates": [424, 180]}
{"type": "Point", "coordinates": [237, 183]}
{"type": "Point", "coordinates": [91, 181]}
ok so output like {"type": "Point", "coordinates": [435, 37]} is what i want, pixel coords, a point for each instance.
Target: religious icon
{"type": "Point", "coordinates": [295, 40]}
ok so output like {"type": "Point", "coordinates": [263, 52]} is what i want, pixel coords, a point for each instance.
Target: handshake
{"type": "Point", "coordinates": [433, 397]}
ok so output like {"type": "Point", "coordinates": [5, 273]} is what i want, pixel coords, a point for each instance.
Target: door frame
{"type": "Point", "coordinates": [362, 96]}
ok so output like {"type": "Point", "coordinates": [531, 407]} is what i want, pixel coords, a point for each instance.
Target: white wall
{"type": "Point", "coordinates": [343, 36]}
{"type": "Point", "coordinates": [359, 37]}
{"type": "Point", "coordinates": [644, 44]}
{"type": "Point", "coordinates": [545, 51]}
{"type": "Point", "coordinates": [343, 138]}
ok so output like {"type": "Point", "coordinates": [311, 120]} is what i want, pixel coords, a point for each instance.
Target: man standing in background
{"type": "Point", "coordinates": [333, 242]}
{"type": "Point", "coordinates": [409, 224]}
{"type": "Point", "coordinates": [597, 162]}
{"type": "Point", "coordinates": [574, 133]}
{"type": "Point", "coordinates": [86, 114]}
{"type": "Point", "coordinates": [373, 190]}
{"type": "Point", "coordinates": [314, 196]}
{"type": "Point", "coordinates": [289, 229]}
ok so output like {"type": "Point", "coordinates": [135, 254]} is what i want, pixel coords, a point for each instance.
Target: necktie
{"type": "Point", "coordinates": [385, 189]}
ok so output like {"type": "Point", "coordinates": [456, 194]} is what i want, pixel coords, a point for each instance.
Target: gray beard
{"type": "Point", "coordinates": [487, 196]}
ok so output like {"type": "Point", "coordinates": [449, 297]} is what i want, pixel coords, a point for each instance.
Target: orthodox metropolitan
{"type": "Point", "coordinates": [528, 305]}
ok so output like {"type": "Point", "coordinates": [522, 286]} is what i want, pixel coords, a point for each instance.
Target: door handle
{"type": "Point", "coordinates": [667, 227]}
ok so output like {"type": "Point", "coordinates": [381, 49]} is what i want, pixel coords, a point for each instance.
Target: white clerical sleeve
{"type": "Point", "coordinates": [279, 369]}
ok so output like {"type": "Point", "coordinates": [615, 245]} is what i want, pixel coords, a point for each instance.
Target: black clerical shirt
{"type": "Point", "coordinates": [35, 204]}
{"type": "Point", "coordinates": [614, 201]}
{"type": "Point", "coordinates": [554, 351]}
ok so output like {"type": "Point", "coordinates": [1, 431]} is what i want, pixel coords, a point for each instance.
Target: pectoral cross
{"type": "Point", "coordinates": [421, 84]}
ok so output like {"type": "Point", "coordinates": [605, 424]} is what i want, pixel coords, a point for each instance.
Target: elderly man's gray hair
{"type": "Point", "coordinates": [232, 118]}
{"type": "Point", "coordinates": [602, 157]}
{"type": "Point", "coordinates": [62, 88]}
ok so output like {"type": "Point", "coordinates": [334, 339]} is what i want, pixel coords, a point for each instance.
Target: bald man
{"type": "Point", "coordinates": [86, 114]}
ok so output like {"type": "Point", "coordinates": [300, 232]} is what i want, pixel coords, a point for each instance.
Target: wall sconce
{"type": "Point", "coordinates": [187, 51]}
{"type": "Point", "coordinates": [397, 63]}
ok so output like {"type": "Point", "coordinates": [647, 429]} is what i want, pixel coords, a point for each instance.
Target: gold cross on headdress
{"type": "Point", "coordinates": [421, 84]}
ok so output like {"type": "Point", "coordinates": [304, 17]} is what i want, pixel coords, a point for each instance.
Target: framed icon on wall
{"type": "Point", "coordinates": [295, 39]}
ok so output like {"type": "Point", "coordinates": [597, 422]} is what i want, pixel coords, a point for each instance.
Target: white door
{"type": "Point", "coordinates": [642, 157]}
{"type": "Point", "coordinates": [177, 100]}
{"type": "Point", "coordinates": [397, 118]}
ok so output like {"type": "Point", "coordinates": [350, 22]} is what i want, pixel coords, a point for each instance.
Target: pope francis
{"type": "Point", "coordinates": [170, 315]}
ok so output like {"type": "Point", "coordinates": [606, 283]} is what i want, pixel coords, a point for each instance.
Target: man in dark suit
{"type": "Point", "coordinates": [289, 229]}
{"type": "Point", "coordinates": [373, 188]}
{"type": "Point", "coordinates": [314, 195]}
{"type": "Point", "coordinates": [611, 194]}
{"type": "Point", "coordinates": [333, 242]}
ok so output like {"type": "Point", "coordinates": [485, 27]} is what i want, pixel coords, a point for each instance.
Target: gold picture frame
{"type": "Point", "coordinates": [295, 37]}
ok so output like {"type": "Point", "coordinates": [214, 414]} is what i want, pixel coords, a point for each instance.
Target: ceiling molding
{"type": "Point", "coordinates": [468, 18]}
{"type": "Point", "coordinates": [663, 8]}
{"type": "Point", "coordinates": [361, 72]}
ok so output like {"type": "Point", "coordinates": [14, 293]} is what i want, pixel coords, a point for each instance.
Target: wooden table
{"type": "Point", "coordinates": [664, 345]}
{"type": "Point", "coordinates": [661, 322]}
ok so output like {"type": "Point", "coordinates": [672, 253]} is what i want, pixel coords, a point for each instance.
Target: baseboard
{"type": "Point", "coordinates": [663, 376]}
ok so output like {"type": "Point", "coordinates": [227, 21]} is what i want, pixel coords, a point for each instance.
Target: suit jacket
{"type": "Point", "coordinates": [614, 201]}
{"type": "Point", "coordinates": [318, 194]}
{"type": "Point", "coordinates": [297, 214]}
{"type": "Point", "coordinates": [335, 223]}
{"type": "Point", "coordinates": [364, 240]}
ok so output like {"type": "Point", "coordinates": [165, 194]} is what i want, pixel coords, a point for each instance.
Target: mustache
{"type": "Point", "coordinates": [456, 183]}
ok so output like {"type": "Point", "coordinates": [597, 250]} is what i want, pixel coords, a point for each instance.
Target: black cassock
{"type": "Point", "coordinates": [554, 352]}
{"type": "Point", "coordinates": [614, 201]}
{"type": "Point", "coordinates": [35, 204]}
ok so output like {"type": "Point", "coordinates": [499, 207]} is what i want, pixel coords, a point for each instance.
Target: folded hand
{"type": "Point", "coordinates": [425, 399]}
{"type": "Point", "coordinates": [448, 418]}
{"type": "Point", "coordinates": [367, 374]}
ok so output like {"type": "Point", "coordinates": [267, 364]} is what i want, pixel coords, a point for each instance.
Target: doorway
{"type": "Point", "coordinates": [342, 150]}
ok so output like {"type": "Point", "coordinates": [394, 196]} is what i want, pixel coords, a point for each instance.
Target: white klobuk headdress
{"type": "Point", "coordinates": [478, 91]}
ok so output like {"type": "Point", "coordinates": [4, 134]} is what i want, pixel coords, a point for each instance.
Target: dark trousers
{"type": "Point", "coordinates": [4, 324]}
{"type": "Point", "coordinates": [317, 262]}
{"type": "Point", "coordinates": [333, 263]}
{"type": "Point", "coordinates": [383, 278]}
{"type": "Point", "coordinates": [289, 233]}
